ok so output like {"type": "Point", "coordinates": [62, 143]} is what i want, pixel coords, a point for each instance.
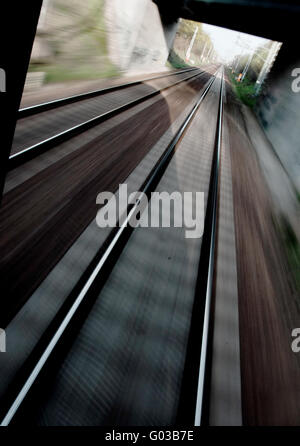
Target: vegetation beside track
{"type": "Point", "coordinates": [244, 90]}
{"type": "Point", "coordinates": [73, 46]}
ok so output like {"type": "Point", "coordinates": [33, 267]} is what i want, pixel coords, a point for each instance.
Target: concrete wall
{"type": "Point", "coordinates": [134, 35]}
{"type": "Point", "coordinates": [137, 39]}
{"type": "Point", "coordinates": [123, 20]}
{"type": "Point", "coordinates": [71, 33]}
{"type": "Point", "coordinates": [278, 111]}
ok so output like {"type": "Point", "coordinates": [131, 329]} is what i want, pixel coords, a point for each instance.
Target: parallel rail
{"type": "Point", "coordinates": [208, 258]}
{"type": "Point", "coordinates": [195, 390]}
{"type": "Point", "coordinates": [98, 272]}
{"type": "Point", "coordinates": [49, 105]}
{"type": "Point", "coordinates": [35, 150]}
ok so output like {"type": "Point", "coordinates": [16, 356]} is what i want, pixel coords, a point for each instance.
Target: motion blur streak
{"type": "Point", "coordinates": [142, 93]}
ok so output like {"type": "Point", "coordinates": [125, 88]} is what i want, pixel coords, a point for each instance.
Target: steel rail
{"type": "Point", "coordinates": [39, 108]}
{"type": "Point", "coordinates": [112, 252]}
{"type": "Point", "coordinates": [212, 208]}
{"type": "Point", "coordinates": [31, 152]}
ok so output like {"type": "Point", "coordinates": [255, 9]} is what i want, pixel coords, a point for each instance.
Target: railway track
{"type": "Point", "coordinates": [50, 186]}
{"type": "Point", "coordinates": [52, 352]}
{"type": "Point", "coordinates": [49, 105]}
{"type": "Point", "coordinates": [47, 129]}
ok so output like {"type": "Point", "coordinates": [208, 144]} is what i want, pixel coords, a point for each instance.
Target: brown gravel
{"type": "Point", "coordinates": [270, 370]}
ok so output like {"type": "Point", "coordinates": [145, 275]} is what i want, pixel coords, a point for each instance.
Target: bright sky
{"type": "Point", "coordinates": [228, 43]}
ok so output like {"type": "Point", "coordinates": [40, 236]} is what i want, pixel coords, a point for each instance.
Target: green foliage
{"type": "Point", "coordinates": [76, 36]}
{"type": "Point", "coordinates": [187, 27]}
{"type": "Point", "coordinates": [184, 36]}
{"type": "Point", "coordinates": [259, 57]}
{"type": "Point", "coordinates": [257, 61]}
{"type": "Point", "coordinates": [245, 90]}
{"type": "Point", "coordinates": [176, 62]}
{"type": "Point", "coordinates": [60, 73]}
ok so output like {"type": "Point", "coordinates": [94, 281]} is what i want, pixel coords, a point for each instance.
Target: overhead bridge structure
{"type": "Point", "coordinates": [278, 108]}
{"type": "Point", "coordinates": [127, 323]}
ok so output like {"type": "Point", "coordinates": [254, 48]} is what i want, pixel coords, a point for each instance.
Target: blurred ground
{"type": "Point", "coordinates": [268, 301]}
{"type": "Point", "coordinates": [50, 92]}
